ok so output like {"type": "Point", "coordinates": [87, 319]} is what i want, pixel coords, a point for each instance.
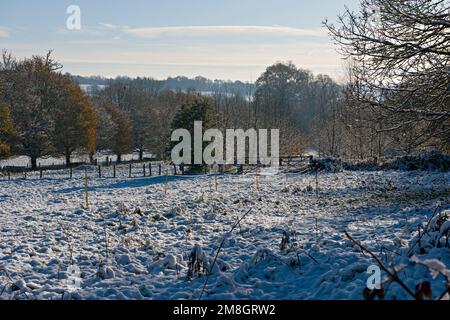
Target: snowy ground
{"type": "Point", "coordinates": [44, 229]}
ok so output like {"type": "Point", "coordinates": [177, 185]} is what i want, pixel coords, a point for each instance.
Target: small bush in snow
{"type": "Point", "coordinates": [198, 263]}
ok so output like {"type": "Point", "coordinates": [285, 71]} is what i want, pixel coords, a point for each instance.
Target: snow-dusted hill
{"type": "Point", "coordinates": [135, 241]}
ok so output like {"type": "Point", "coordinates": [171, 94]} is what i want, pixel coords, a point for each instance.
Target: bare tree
{"type": "Point", "coordinates": [401, 51]}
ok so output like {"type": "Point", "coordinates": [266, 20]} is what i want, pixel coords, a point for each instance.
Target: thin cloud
{"type": "Point", "coordinates": [235, 61]}
{"type": "Point", "coordinates": [205, 31]}
{"type": "Point", "coordinates": [84, 31]}
{"type": "Point", "coordinates": [113, 26]}
{"type": "Point", "coordinates": [307, 54]}
{"type": "Point", "coordinates": [4, 32]}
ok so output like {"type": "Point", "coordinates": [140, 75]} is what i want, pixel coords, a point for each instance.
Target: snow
{"type": "Point", "coordinates": [44, 229]}
{"type": "Point", "coordinates": [435, 266]}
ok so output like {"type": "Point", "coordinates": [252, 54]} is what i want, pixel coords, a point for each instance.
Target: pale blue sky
{"type": "Point", "coordinates": [223, 39]}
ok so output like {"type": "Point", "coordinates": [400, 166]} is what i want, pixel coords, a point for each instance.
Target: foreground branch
{"type": "Point", "coordinates": [238, 222]}
{"type": "Point", "coordinates": [393, 276]}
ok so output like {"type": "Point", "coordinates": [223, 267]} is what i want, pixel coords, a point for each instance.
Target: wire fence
{"type": "Point", "coordinates": [130, 170]}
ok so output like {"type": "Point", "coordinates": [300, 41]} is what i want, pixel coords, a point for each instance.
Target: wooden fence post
{"type": "Point", "coordinates": [99, 171]}
{"type": "Point", "coordinates": [317, 182]}
{"type": "Point", "coordinates": [160, 169]}
{"type": "Point", "coordinates": [257, 178]}
{"type": "Point", "coordinates": [129, 171]}
{"type": "Point", "coordinates": [150, 168]}
{"type": "Point", "coordinates": [182, 169]}
{"type": "Point", "coordinates": [114, 171]}
{"type": "Point", "coordinates": [145, 173]}
{"type": "Point", "coordinates": [40, 174]}
{"type": "Point", "coordinates": [71, 172]}
{"type": "Point", "coordinates": [166, 187]}
{"type": "Point", "coordinates": [86, 190]}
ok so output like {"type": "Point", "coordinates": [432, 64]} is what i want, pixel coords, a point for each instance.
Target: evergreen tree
{"type": "Point", "coordinates": [197, 108]}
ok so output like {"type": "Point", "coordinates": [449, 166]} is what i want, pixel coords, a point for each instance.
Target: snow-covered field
{"type": "Point", "coordinates": [135, 241]}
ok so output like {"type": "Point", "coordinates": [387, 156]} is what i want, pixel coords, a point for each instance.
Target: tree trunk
{"type": "Point", "coordinates": [119, 158]}
{"type": "Point", "coordinates": [91, 158]}
{"type": "Point", "coordinates": [68, 153]}
{"type": "Point", "coordinates": [141, 154]}
{"type": "Point", "coordinates": [33, 162]}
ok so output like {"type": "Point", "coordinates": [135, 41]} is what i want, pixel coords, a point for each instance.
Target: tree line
{"type": "Point", "coordinates": [44, 112]}
{"type": "Point", "coordinates": [395, 99]}
{"type": "Point", "coordinates": [179, 83]}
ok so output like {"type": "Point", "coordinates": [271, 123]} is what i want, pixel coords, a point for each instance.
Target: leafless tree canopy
{"type": "Point", "coordinates": [400, 52]}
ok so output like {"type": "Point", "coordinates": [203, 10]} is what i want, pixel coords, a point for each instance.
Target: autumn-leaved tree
{"type": "Point", "coordinates": [75, 120]}
{"type": "Point", "coordinates": [28, 87]}
{"type": "Point", "coordinates": [6, 131]}
{"type": "Point", "coordinates": [115, 131]}
{"type": "Point", "coordinates": [49, 111]}
{"type": "Point", "coordinates": [138, 106]}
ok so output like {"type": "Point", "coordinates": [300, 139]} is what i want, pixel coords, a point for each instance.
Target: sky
{"type": "Point", "coordinates": [217, 39]}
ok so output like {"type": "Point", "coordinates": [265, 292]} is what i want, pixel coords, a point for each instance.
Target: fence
{"type": "Point", "coordinates": [129, 170]}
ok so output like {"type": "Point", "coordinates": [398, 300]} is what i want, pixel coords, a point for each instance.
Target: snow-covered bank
{"type": "Point", "coordinates": [134, 242]}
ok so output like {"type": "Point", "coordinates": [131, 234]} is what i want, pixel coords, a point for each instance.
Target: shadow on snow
{"type": "Point", "coordinates": [131, 183]}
